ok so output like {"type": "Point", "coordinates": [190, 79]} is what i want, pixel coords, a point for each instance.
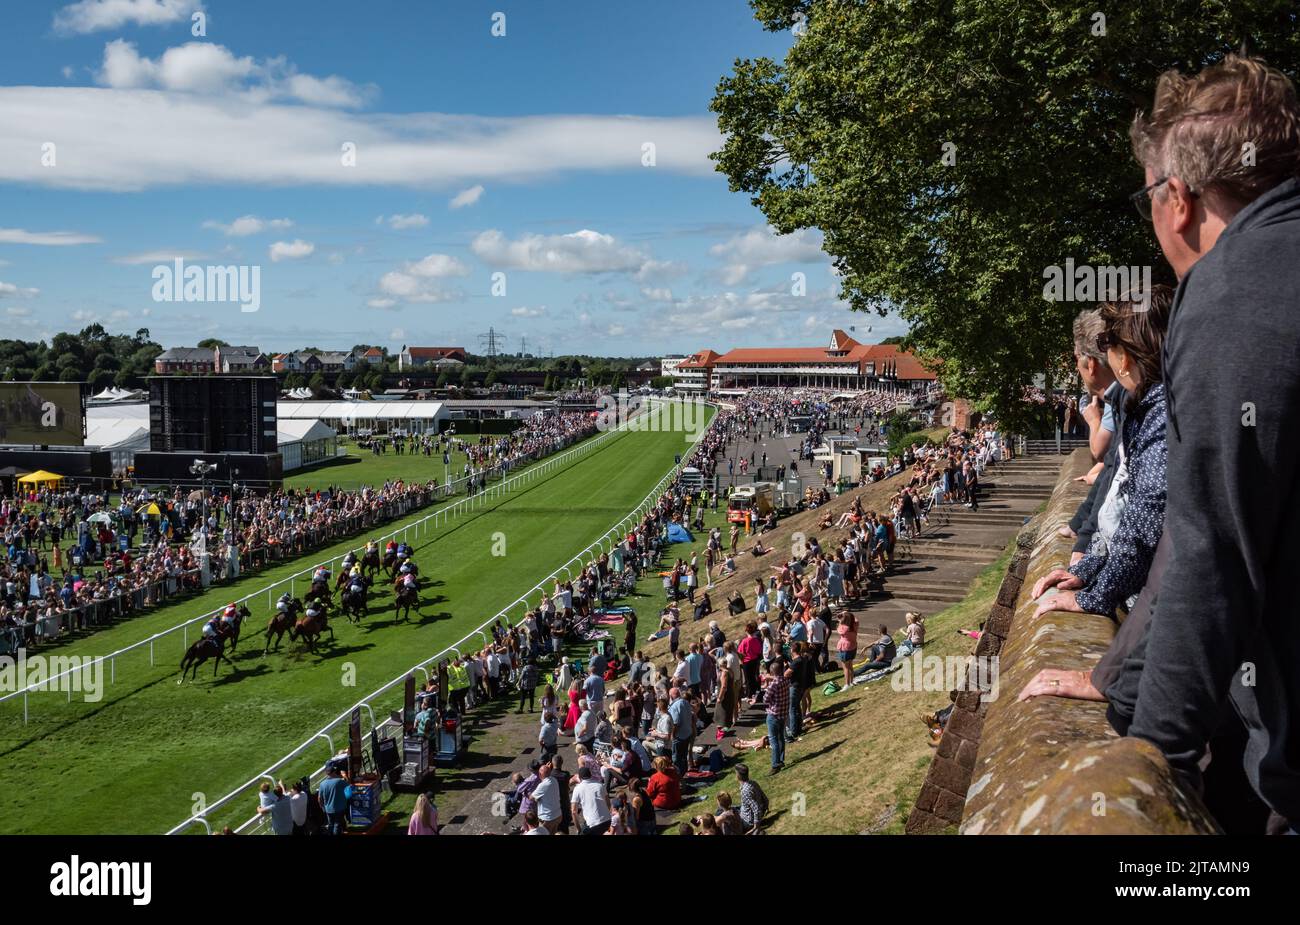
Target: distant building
{"type": "Point", "coordinates": [843, 364]}
{"type": "Point", "coordinates": [693, 374]}
{"type": "Point", "coordinates": [669, 363]}
{"type": "Point", "coordinates": [333, 361]}
{"type": "Point", "coordinates": [374, 356]}
{"type": "Point", "coordinates": [185, 360]}
{"type": "Point", "coordinates": [412, 357]}
{"type": "Point", "coordinates": [230, 359]}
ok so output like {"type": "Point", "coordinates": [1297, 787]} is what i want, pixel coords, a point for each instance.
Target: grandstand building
{"type": "Point", "coordinates": [844, 364]}
{"type": "Point", "coordinates": [692, 375]}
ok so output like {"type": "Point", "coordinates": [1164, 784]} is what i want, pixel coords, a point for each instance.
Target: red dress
{"type": "Point", "coordinates": [571, 719]}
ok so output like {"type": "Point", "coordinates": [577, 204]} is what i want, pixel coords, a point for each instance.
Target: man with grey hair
{"type": "Point", "coordinates": [1226, 628]}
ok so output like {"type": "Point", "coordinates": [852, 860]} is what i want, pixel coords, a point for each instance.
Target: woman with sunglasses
{"type": "Point", "coordinates": [1116, 565]}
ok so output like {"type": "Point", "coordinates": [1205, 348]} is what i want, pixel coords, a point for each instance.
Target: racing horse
{"type": "Point", "coordinates": [390, 562]}
{"type": "Point", "coordinates": [282, 623]}
{"type": "Point", "coordinates": [202, 650]}
{"type": "Point", "coordinates": [231, 630]}
{"type": "Point", "coordinates": [310, 628]}
{"type": "Point", "coordinates": [407, 597]}
{"type": "Point", "coordinates": [370, 563]}
{"type": "Point", "coordinates": [353, 605]}
{"type": "Point", "coordinates": [320, 591]}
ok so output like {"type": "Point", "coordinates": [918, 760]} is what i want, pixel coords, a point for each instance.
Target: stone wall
{"type": "Point", "coordinates": [1049, 765]}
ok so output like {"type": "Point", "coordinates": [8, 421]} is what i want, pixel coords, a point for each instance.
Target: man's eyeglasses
{"type": "Point", "coordinates": [1142, 198]}
{"type": "Point", "coordinates": [1104, 342]}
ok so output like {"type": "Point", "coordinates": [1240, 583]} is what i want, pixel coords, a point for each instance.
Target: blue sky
{"type": "Point", "coordinates": [475, 155]}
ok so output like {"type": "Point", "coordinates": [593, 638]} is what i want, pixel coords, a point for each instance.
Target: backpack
{"type": "Point", "coordinates": [830, 688]}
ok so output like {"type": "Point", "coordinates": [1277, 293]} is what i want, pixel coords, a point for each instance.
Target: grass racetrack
{"type": "Point", "coordinates": [143, 757]}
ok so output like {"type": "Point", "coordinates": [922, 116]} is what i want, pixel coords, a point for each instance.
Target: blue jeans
{"type": "Point", "coordinates": [776, 738]}
{"type": "Point", "coordinates": [795, 721]}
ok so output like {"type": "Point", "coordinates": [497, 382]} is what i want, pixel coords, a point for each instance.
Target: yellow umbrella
{"type": "Point", "coordinates": [151, 509]}
{"type": "Point", "coordinates": [40, 477]}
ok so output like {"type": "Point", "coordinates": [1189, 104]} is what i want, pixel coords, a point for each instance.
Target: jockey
{"type": "Point", "coordinates": [390, 547]}
{"type": "Point", "coordinates": [322, 574]}
{"type": "Point", "coordinates": [403, 551]}
{"type": "Point", "coordinates": [408, 578]}
{"type": "Point", "coordinates": [282, 605]}
{"type": "Point", "coordinates": [355, 573]}
{"type": "Point", "coordinates": [349, 560]}
{"type": "Point", "coordinates": [372, 547]}
{"type": "Point", "coordinates": [229, 615]}
{"type": "Point", "coordinates": [313, 610]}
{"type": "Point", "coordinates": [212, 628]}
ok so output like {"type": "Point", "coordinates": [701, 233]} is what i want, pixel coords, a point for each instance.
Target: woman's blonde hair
{"type": "Point", "coordinates": [424, 809]}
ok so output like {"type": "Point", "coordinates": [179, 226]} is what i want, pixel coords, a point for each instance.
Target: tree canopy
{"type": "Point", "coordinates": [952, 150]}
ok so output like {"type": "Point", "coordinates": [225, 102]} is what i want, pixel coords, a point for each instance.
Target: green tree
{"type": "Point", "coordinates": [952, 150]}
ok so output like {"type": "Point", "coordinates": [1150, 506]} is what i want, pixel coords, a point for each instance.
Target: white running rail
{"type": "Point", "coordinates": [614, 533]}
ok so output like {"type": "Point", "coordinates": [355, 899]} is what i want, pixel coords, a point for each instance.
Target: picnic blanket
{"type": "Point", "coordinates": [609, 619]}
{"type": "Point", "coordinates": [876, 674]}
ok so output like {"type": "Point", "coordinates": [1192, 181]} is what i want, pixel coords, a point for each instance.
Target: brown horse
{"type": "Point", "coordinates": [282, 623]}
{"type": "Point", "coordinates": [231, 630]}
{"type": "Point", "coordinates": [370, 563]}
{"type": "Point", "coordinates": [200, 652]}
{"type": "Point", "coordinates": [320, 591]}
{"type": "Point", "coordinates": [406, 599]}
{"type": "Point", "coordinates": [309, 628]}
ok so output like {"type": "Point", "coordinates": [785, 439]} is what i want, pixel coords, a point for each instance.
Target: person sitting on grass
{"type": "Point", "coordinates": [915, 634]}
{"type": "Point", "coordinates": [883, 651]}
{"type": "Point", "coordinates": [665, 785]}
{"type": "Point", "coordinates": [753, 801]}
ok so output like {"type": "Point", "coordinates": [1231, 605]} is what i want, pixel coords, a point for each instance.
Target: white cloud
{"type": "Point", "coordinates": [247, 225]}
{"type": "Point", "coordinates": [466, 197]}
{"type": "Point", "coordinates": [47, 238]}
{"type": "Point", "coordinates": [658, 270]}
{"type": "Point", "coordinates": [397, 334]}
{"type": "Point", "coordinates": [161, 256]}
{"type": "Point", "coordinates": [583, 251]}
{"type": "Point", "coordinates": [290, 250]}
{"type": "Point", "coordinates": [205, 68]}
{"type": "Point", "coordinates": [68, 71]}
{"type": "Point", "coordinates": [657, 294]}
{"type": "Point", "coordinates": [10, 291]}
{"type": "Point", "coordinates": [760, 247]}
{"type": "Point", "coordinates": [418, 281]}
{"type": "Point", "coordinates": [18, 312]}
{"type": "Point", "coordinates": [87, 16]}
{"type": "Point", "coordinates": [402, 222]}
{"type": "Point", "coordinates": [186, 138]}
{"type": "Point", "coordinates": [525, 311]}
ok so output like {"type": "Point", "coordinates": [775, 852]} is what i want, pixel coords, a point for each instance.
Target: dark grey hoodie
{"type": "Point", "coordinates": [1227, 622]}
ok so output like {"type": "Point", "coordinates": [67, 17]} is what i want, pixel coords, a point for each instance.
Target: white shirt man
{"type": "Point", "coordinates": [547, 797]}
{"type": "Point", "coordinates": [591, 803]}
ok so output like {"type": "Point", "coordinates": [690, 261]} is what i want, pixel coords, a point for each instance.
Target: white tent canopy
{"type": "Point", "coordinates": [361, 412]}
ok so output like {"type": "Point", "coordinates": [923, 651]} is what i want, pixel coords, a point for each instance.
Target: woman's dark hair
{"type": "Point", "coordinates": [1138, 328]}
